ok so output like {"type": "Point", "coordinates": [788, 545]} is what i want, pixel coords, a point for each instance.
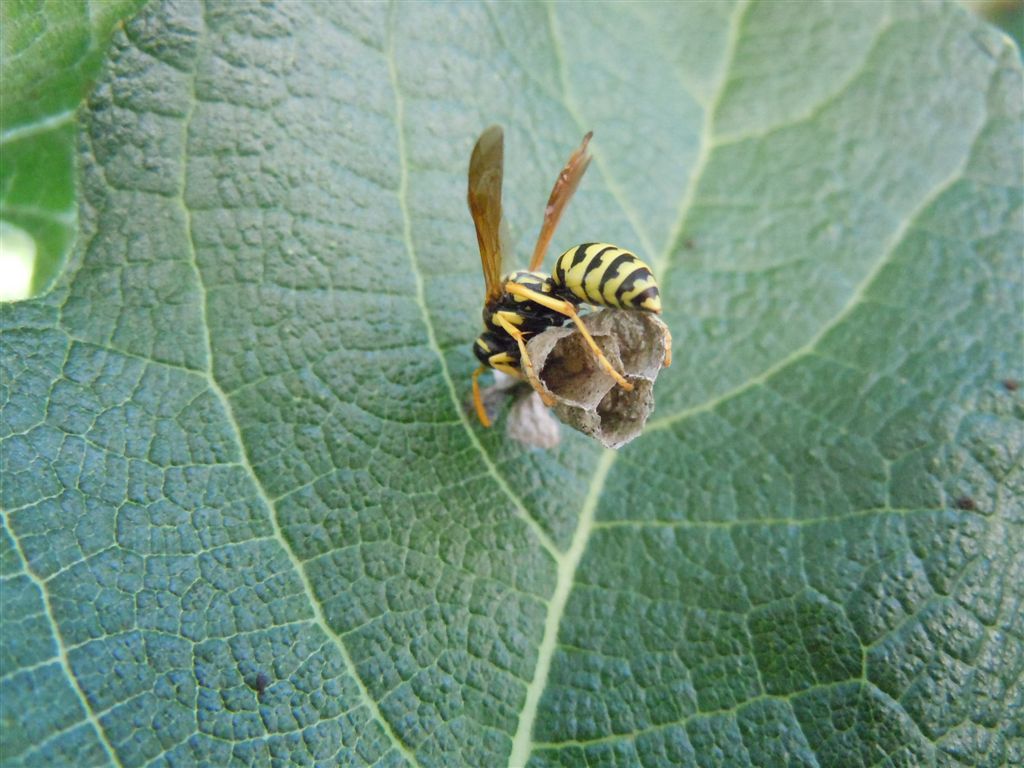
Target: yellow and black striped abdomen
{"type": "Point", "coordinates": [607, 276]}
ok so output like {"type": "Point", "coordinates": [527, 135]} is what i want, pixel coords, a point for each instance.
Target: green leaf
{"type": "Point", "coordinates": [249, 519]}
{"type": "Point", "coordinates": [50, 52]}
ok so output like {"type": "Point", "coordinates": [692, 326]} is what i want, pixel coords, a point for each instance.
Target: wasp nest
{"type": "Point", "coordinates": [585, 396]}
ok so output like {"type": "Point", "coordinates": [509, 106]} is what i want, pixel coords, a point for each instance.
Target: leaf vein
{"type": "Point", "coordinates": [542, 537]}
{"type": "Point", "coordinates": [522, 744]}
{"type": "Point", "coordinates": [857, 297]}
{"type": "Point", "coordinates": [814, 110]}
{"type": "Point", "coordinates": [317, 609]}
{"type": "Point", "coordinates": [707, 142]}
{"type": "Point", "coordinates": [773, 521]}
{"type": "Point", "coordinates": [683, 722]}
{"type": "Point", "coordinates": [36, 127]}
{"type": "Point", "coordinates": [610, 182]}
{"type": "Point", "coordinates": [91, 715]}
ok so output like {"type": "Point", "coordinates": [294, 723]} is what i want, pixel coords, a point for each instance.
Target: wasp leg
{"type": "Point", "coordinates": [478, 401]}
{"type": "Point", "coordinates": [531, 375]}
{"type": "Point", "coordinates": [566, 308]}
{"type": "Point", "coordinates": [668, 347]}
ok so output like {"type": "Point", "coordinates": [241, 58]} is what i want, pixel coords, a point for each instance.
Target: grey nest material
{"type": "Point", "coordinates": [586, 396]}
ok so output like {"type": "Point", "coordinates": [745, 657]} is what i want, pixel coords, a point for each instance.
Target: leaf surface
{"type": "Point", "coordinates": [248, 517]}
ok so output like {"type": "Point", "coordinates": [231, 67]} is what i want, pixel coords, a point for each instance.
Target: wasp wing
{"type": "Point", "coordinates": [484, 197]}
{"type": "Point", "coordinates": [565, 185]}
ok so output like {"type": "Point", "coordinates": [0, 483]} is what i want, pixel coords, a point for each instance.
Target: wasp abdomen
{"type": "Point", "coordinates": [607, 276]}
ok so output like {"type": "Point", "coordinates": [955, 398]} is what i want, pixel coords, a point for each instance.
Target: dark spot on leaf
{"type": "Point", "coordinates": [259, 683]}
{"type": "Point", "coordinates": [966, 502]}
{"type": "Point", "coordinates": [689, 244]}
{"type": "Point", "coordinates": [1011, 385]}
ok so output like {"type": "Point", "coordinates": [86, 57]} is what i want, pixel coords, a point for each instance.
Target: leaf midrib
{"type": "Point", "coordinates": [522, 744]}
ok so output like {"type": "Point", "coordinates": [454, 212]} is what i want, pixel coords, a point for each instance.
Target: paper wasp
{"type": "Point", "coordinates": [526, 302]}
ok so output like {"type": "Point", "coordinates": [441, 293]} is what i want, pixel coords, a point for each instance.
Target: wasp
{"type": "Point", "coordinates": [526, 302]}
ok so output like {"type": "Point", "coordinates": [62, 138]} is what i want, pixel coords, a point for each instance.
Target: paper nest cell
{"type": "Point", "coordinates": [586, 396]}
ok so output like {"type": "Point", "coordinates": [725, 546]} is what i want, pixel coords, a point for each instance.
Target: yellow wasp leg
{"type": "Point", "coordinates": [668, 347]}
{"type": "Point", "coordinates": [566, 308]}
{"type": "Point", "coordinates": [527, 364]}
{"type": "Point", "coordinates": [478, 401]}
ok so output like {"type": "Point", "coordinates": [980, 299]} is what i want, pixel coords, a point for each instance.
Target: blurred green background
{"type": "Point", "coordinates": [1006, 14]}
